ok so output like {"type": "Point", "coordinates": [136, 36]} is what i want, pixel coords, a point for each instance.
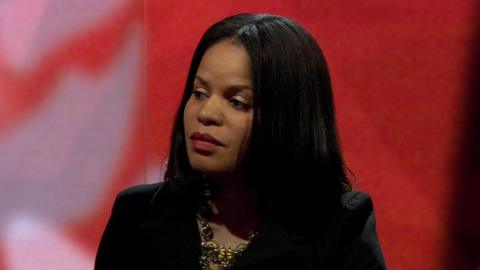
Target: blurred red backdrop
{"type": "Point", "coordinates": [88, 92]}
{"type": "Point", "coordinates": [406, 96]}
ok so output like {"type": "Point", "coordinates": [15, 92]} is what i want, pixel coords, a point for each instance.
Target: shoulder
{"type": "Point", "coordinates": [139, 193]}
{"type": "Point", "coordinates": [354, 198]}
{"type": "Point", "coordinates": [134, 201]}
{"type": "Point", "coordinates": [357, 208]}
{"type": "Point", "coordinates": [119, 239]}
{"type": "Point", "coordinates": [357, 240]}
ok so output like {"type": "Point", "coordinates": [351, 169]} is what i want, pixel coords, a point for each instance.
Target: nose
{"type": "Point", "coordinates": [211, 112]}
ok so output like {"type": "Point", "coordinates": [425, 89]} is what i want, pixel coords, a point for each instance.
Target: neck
{"type": "Point", "coordinates": [237, 205]}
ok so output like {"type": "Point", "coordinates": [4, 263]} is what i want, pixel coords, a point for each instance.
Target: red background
{"type": "Point", "coordinates": [406, 96]}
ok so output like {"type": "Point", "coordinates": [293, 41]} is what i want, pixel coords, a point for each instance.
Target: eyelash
{"type": "Point", "coordinates": [237, 104]}
{"type": "Point", "coordinates": [198, 94]}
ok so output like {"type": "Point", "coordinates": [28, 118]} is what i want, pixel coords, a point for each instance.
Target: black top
{"type": "Point", "coordinates": [152, 227]}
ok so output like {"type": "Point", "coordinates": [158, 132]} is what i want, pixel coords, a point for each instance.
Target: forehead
{"type": "Point", "coordinates": [226, 62]}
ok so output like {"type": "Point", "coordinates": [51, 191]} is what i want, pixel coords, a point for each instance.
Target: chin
{"type": "Point", "coordinates": [211, 168]}
{"type": "Point", "coordinates": [210, 171]}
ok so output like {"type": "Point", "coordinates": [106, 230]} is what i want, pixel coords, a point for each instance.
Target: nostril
{"type": "Point", "coordinates": [210, 115]}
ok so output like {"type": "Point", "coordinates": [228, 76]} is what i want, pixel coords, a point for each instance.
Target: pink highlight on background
{"type": "Point", "coordinates": [34, 244]}
{"type": "Point", "coordinates": [58, 161]}
{"type": "Point", "coordinates": [19, 21]}
{"type": "Point", "coordinates": [56, 164]}
{"type": "Point", "coordinates": [29, 29]}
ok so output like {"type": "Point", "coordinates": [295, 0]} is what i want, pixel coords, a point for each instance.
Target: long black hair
{"type": "Point", "coordinates": [294, 159]}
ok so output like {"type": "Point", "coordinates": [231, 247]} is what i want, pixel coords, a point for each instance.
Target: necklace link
{"type": "Point", "coordinates": [212, 251]}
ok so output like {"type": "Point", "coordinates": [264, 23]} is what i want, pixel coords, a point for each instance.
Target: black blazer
{"type": "Point", "coordinates": [153, 228]}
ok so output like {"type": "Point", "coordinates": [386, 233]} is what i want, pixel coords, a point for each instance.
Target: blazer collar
{"type": "Point", "coordinates": [172, 241]}
{"type": "Point", "coordinates": [271, 247]}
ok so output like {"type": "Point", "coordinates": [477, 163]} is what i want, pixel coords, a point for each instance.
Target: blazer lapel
{"type": "Point", "coordinates": [274, 248]}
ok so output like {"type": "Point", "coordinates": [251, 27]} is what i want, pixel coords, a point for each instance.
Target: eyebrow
{"type": "Point", "coordinates": [235, 87]}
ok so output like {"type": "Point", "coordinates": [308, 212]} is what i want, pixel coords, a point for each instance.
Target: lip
{"type": "Point", "coordinates": [206, 138]}
{"type": "Point", "coordinates": [204, 143]}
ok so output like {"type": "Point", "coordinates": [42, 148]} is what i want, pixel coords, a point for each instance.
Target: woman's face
{"type": "Point", "coordinates": [218, 114]}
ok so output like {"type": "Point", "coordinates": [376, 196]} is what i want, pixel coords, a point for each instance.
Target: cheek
{"type": "Point", "coordinates": [187, 116]}
{"type": "Point", "coordinates": [245, 130]}
{"type": "Point", "coordinates": [248, 127]}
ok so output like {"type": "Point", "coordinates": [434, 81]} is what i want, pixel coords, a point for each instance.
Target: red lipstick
{"type": "Point", "coordinates": [204, 142]}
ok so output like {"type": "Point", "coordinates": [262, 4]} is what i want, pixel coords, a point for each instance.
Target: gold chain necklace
{"type": "Point", "coordinates": [212, 251]}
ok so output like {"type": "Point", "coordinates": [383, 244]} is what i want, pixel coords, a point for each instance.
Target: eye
{"type": "Point", "coordinates": [237, 104]}
{"type": "Point", "coordinates": [199, 93]}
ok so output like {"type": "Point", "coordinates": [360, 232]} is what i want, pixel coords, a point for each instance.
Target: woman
{"type": "Point", "coordinates": [255, 176]}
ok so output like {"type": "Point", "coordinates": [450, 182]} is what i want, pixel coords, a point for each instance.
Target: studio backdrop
{"type": "Point", "coordinates": [88, 92]}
